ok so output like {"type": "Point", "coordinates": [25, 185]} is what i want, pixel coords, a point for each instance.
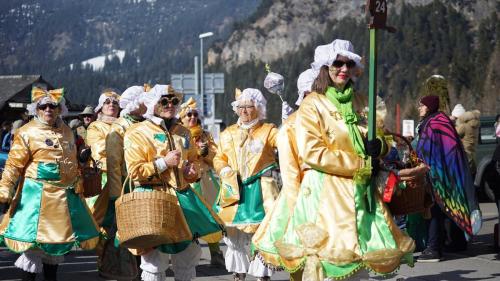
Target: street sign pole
{"type": "Point", "coordinates": [372, 82]}
{"type": "Point", "coordinates": [378, 18]}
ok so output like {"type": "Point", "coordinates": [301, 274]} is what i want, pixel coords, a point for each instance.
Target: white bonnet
{"type": "Point", "coordinates": [155, 94]}
{"type": "Point", "coordinates": [112, 95]}
{"type": "Point", "coordinates": [304, 83]}
{"type": "Point", "coordinates": [131, 99]}
{"type": "Point", "coordinates": [458, 110]}
{"type": "Point", "coordinates": [326, 54]}
{"type": "Point", "coordinates": [256, 97]}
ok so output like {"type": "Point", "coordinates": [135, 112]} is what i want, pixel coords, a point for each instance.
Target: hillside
{"type": "Point", "coordinates": [157, 37]}
{"type": "Point", "coordinates": [458, 39]}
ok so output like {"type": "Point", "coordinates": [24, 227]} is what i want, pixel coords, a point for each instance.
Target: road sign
{"type": "Point", "coordinates": [185, 83]}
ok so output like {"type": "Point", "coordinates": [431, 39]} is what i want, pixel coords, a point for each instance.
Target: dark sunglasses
{"type": "Point", "coordinates": [166, 100]}
{"type": "Point", "coordinates": [49, 105]}
{"type": "Point", "coordinates": [195, 114]}
{"type": "Point", "coordinates": [108, 101]}
{"type": "Point", "coordinates": [340, 63]}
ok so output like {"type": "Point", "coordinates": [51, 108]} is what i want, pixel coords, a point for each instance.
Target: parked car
{"type": "Point", "coordinates": [484, 152]}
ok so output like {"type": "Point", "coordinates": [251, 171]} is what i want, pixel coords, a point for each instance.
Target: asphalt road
{"type": "Point", "coordinates": [479, 262]}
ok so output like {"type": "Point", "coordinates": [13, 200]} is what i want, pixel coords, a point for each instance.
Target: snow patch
{"type": "Point", "coordinates": [97, 63]}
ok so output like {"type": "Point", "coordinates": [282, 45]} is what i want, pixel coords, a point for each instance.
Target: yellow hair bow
{"type": "Point", "coordinates": [55, 95]}
{"type": "Point", "coordinates": [189, 105]}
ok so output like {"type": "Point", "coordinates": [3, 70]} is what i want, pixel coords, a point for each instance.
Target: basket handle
{"type": "Point", "coordinates": [408, 143]}
{"type": "Point", "coordinates": [130, 185]}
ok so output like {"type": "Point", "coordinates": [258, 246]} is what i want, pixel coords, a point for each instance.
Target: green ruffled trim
{"type": "Point", "coordinates": [406, 259]}
{"type": "Point", "coordinates": [50, 249]}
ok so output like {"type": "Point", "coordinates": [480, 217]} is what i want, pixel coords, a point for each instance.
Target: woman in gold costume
{"type": "Point", "coordinates": [48, 215]}
{"type": "Point", "coordinates": [102, 205]}
{"type": "Point", "coordinates": [107, 111]}
{"type": "Point", "coordinates": [273, 228]}
{"type": "Point", "coordinates": [161, 155]}
{"type": "Point", "coordinates": [339, 227]}
{"type": "Point", "coordinates": [207, 185]}
{"type": "Point", "coordinates": [119, 263]}
{"type": "Point", "coordinates": [244, 161]}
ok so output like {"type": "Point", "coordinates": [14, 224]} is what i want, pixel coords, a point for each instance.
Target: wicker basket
{"type": "Point", "coordinates": [412, 199]}
{"type": "Point", "coordinates": [144, 218]}
{"type": "Point", "coordinates": [92, 180]}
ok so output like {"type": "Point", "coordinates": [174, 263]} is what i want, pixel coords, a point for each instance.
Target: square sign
{"type": "Point", "coordinates": [408, 128]}
{"type": "Point", "coordinates": [185, 83]}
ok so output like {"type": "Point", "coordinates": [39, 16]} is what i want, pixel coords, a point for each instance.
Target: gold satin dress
{"type": "Point", "coordinates": [101, 205]}
{"type": "Point", "coordinates": [48, 212]}
{"type": "Point", "coordinates": [250, 153]}
{"type": "Point", "coordinates": [331, 230]}
{"type": "Point", "coordinates": [275, 222]}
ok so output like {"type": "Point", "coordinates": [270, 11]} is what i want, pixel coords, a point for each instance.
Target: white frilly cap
{"type": "Point", "coordinates": [112, 95]}
{"type": "Point", "coordinates": [304, 83]}
{"type": "Point", "coordinates": [155, 94]}
{"type": "Point", "coordinates": [326, 54]}
{"type": "Point", "coordinates": [458, 110]}
{"type": "Point", "coordinates": [131, 99]}
{"type": "Point", "coordinates": [256, 97]}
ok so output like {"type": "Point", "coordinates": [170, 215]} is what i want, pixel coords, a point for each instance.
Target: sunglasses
{"type": "Point", "coordinates": [340, 63]}
{"type": "Point", "coordinates": [49, 105]}
{"type": "Point", "coordinates": [166, 100]}
{"type": "Point", "coordinates": [108, 101]}
{"type": "Point", "coordinates": [195, 114]}
{"type": "Point", "coordinates": [245, 106]}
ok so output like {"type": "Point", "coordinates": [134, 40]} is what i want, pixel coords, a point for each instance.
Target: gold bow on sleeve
{"type": "Point", "coordinates": [55, 95]}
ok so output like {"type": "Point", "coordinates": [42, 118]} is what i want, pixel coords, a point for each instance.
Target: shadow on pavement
{"type": "Point", "coordinates": [451, 275]}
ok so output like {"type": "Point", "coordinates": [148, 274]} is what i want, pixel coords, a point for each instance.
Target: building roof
{"type": "Point", "coordinates": [17, 88]}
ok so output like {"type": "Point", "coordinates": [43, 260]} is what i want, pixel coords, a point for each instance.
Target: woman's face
{"type": "Point", "coordinates": [341, 71]}
{"type": "Point", "coordinates": [247, 111]}
{"type": "Point", "coordinates": [191, 119]}
{"type": "Point", "coordinates": [48, 112]}
{"type": "Point", "coordinates": [165, 108]}
{"type": "Point", "coordinates": [110, 108]}
{"type": "Point", "coordinates": [422, 110]}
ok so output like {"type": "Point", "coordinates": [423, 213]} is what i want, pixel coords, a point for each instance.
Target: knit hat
{"type": "Point", "coordinates": [432, 103]}
{"type": "Point", "coordinates": [458, 110]}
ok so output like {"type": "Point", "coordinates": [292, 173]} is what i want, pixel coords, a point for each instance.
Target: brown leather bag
{"type": "Point", "coordinates": [92, 180]}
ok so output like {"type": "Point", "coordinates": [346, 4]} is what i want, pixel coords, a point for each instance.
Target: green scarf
{"type": "Point", "coordinates": [343, 102]}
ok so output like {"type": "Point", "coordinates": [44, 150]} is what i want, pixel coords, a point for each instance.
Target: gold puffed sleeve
{"type": "Point", "coordinates": [18, 158]}
{"type": "Point", "coordinates": [96, 139]}
{"type": "Point", "coordinates": [313, 147]}
{"type": "Point", "coordinates": [115, 159]}
{"type": "Point", "coordinates": [140, 164]}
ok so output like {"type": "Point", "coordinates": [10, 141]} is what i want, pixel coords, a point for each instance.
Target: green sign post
{"type": "Point", "coordinates": [378, 18]}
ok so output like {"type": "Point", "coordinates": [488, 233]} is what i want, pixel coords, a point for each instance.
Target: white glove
{"type": "Point", "coordinates": [225, 171]}
{"type": "Point", "coordinates": [286, 110]}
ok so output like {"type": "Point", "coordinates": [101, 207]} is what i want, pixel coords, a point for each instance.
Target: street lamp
{"type": "Point", "coordinates": [202, 80]}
